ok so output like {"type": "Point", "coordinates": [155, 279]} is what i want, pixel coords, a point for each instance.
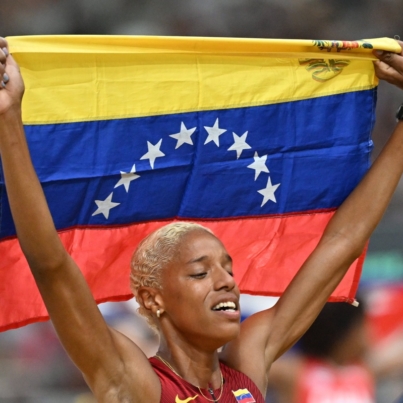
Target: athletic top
{"type": "Point", "coordinates": [322, 382]}
{"type": "Point", "coordinates": [237, 387]}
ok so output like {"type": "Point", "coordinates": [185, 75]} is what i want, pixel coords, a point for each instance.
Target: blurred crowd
{"type": "Point", "coordinates": [33, 366]}
{"type": "Point", "coordinates": [240, 18]}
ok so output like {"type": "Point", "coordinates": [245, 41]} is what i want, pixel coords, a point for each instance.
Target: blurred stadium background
{"type": "Point", "coordinates": [33, 366]}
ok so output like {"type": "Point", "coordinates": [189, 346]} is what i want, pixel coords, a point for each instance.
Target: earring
{"type": "Point", "coordinates": [158, 313]}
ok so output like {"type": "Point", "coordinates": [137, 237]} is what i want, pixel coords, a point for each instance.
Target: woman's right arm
{"type": "Point", "coordinates": [113, 366]}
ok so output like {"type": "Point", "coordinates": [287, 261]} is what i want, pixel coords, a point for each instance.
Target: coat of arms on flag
{"type": "Point", "coordinates": [243, 396]}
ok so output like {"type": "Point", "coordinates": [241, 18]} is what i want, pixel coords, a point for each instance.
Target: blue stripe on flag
{"type": "Point", "coordinates": [79, 163]}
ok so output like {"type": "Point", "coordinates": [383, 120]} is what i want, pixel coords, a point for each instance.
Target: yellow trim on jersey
{"type": "Point", "coordinates": [178, 400]}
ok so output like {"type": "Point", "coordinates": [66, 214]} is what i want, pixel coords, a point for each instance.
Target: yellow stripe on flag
{"type": "Point", "coordinates": [84, 78]}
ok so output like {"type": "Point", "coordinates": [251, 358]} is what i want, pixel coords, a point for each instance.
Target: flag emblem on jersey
{"type": "Point", "coordinates": [243, 396]}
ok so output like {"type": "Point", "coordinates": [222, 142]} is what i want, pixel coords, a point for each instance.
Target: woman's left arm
{"type": "Point", "coordinates": [272, 332]}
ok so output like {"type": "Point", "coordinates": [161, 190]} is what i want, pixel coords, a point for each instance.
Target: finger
{"type": "Point", "coordinates": [3, 43]}
{"type": "Point", "coordinates": [12, 71]}
{"type": "Point", "coordinates": [4, 49]}
{"type": "Point", "coordinates": [3, 75]}
{"type": "Point", "coordinates": [381, 53]}
{"type": "Point", "coordinates": [383, 70]}
{"type": "Point", "coordinates": [7, 70]}
{"type": "Point", "coordinates": [388, 73]}
{"type": "Point", "coordinates": [4, 78]}
{"type": "Point", "coordinates": [11, 62]}
{"type": "Point", "coordinates": [393, 60]}
{"type": "Point", "coordinates": [3, 56]}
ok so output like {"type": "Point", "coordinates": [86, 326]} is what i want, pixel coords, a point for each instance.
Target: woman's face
{"type": "Point", "coordinates": [201, 298]}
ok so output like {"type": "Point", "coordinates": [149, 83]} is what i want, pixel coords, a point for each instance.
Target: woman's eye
{"type": "Point", "coordinates": [199, 275]}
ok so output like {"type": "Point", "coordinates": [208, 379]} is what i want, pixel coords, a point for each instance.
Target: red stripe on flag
{"type": "Point", "coordinates": [267, 253]}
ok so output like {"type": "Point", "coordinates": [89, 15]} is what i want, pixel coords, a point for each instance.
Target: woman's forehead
{"type": "Point", "coordinates": [198, 244]}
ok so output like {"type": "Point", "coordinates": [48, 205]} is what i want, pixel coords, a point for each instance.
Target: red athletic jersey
{"type": "Point", "coordinates": [237, 388]}
{"type": "Point", "coordinates": [322, 382]}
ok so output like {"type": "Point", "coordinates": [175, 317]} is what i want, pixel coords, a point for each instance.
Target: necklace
{"type": "Point", "coordinates": [214, 400]}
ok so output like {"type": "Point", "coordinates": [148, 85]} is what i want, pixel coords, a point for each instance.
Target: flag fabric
{"type": "Point", "coordinates": [259, 140]}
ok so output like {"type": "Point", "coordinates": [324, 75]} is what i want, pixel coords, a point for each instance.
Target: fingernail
{"type": "Point", "coordinates": [3, 84]}
{"type": "Point", "coordinates": [6, 78]}
{"type": "Point", "coordinates": [5, 50]}
{"type": "Point", "coordinates": [378, 52]}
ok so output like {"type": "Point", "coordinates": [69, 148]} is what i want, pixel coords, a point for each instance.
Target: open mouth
{"type": "Point", "coordinates": [225, 306]}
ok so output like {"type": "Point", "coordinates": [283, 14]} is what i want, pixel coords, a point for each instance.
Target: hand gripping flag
{"type": "Point", "coordinates": [260, 140]}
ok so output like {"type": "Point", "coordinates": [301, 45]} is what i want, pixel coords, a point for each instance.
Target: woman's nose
{"type": "Point", "coordinates": [224, 279]}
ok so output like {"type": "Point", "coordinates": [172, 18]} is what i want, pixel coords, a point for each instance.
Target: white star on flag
{"type": "Point", "coordinates": [239, 144]}
{"type": "Point", "coordinates": [104, 206]}
{"type": "Point", "coordinates": [184, 136]}
{"type": "Point", "coordinates": [126, 178]}
{"type": "Point", "coordinates": [153, 152]}
{"type": "Point", "coordinates": [214, 133]}
{"type": "Point", "coordinates": [268, 192]}
{"type": "Point", "coordinates": [259, 165]}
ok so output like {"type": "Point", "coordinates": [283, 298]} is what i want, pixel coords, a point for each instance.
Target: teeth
{"type": "Point", "coordinates": [229, 305]}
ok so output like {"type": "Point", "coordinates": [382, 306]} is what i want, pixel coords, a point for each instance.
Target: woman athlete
{"type": "Point", "coordinates": [182, 279]}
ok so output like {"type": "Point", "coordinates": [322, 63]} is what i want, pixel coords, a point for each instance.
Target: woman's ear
{"type": "Point", "coordinates": [150, 299]}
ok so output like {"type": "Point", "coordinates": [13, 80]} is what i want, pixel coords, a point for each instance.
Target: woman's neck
{"type": "Point", "coordinates": [197, 366]}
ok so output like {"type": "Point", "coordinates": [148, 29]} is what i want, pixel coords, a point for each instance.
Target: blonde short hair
{"type": "Point", "coordinates": [152, 254]}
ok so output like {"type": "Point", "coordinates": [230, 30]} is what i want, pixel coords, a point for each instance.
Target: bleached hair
{"type": "Point", "coordinates": [151, 256]}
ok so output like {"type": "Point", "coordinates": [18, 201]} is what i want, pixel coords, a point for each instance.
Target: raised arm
{"type": "Point", "coordinates": [107, 359]}
{"type": "Point", "coordinates": [277, 329]}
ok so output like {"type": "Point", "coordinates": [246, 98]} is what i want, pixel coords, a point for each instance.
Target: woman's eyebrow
{"type": "Point", "coordinates": [197, 259]}
{"type": "Point", "coordinates": [205, 257]}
